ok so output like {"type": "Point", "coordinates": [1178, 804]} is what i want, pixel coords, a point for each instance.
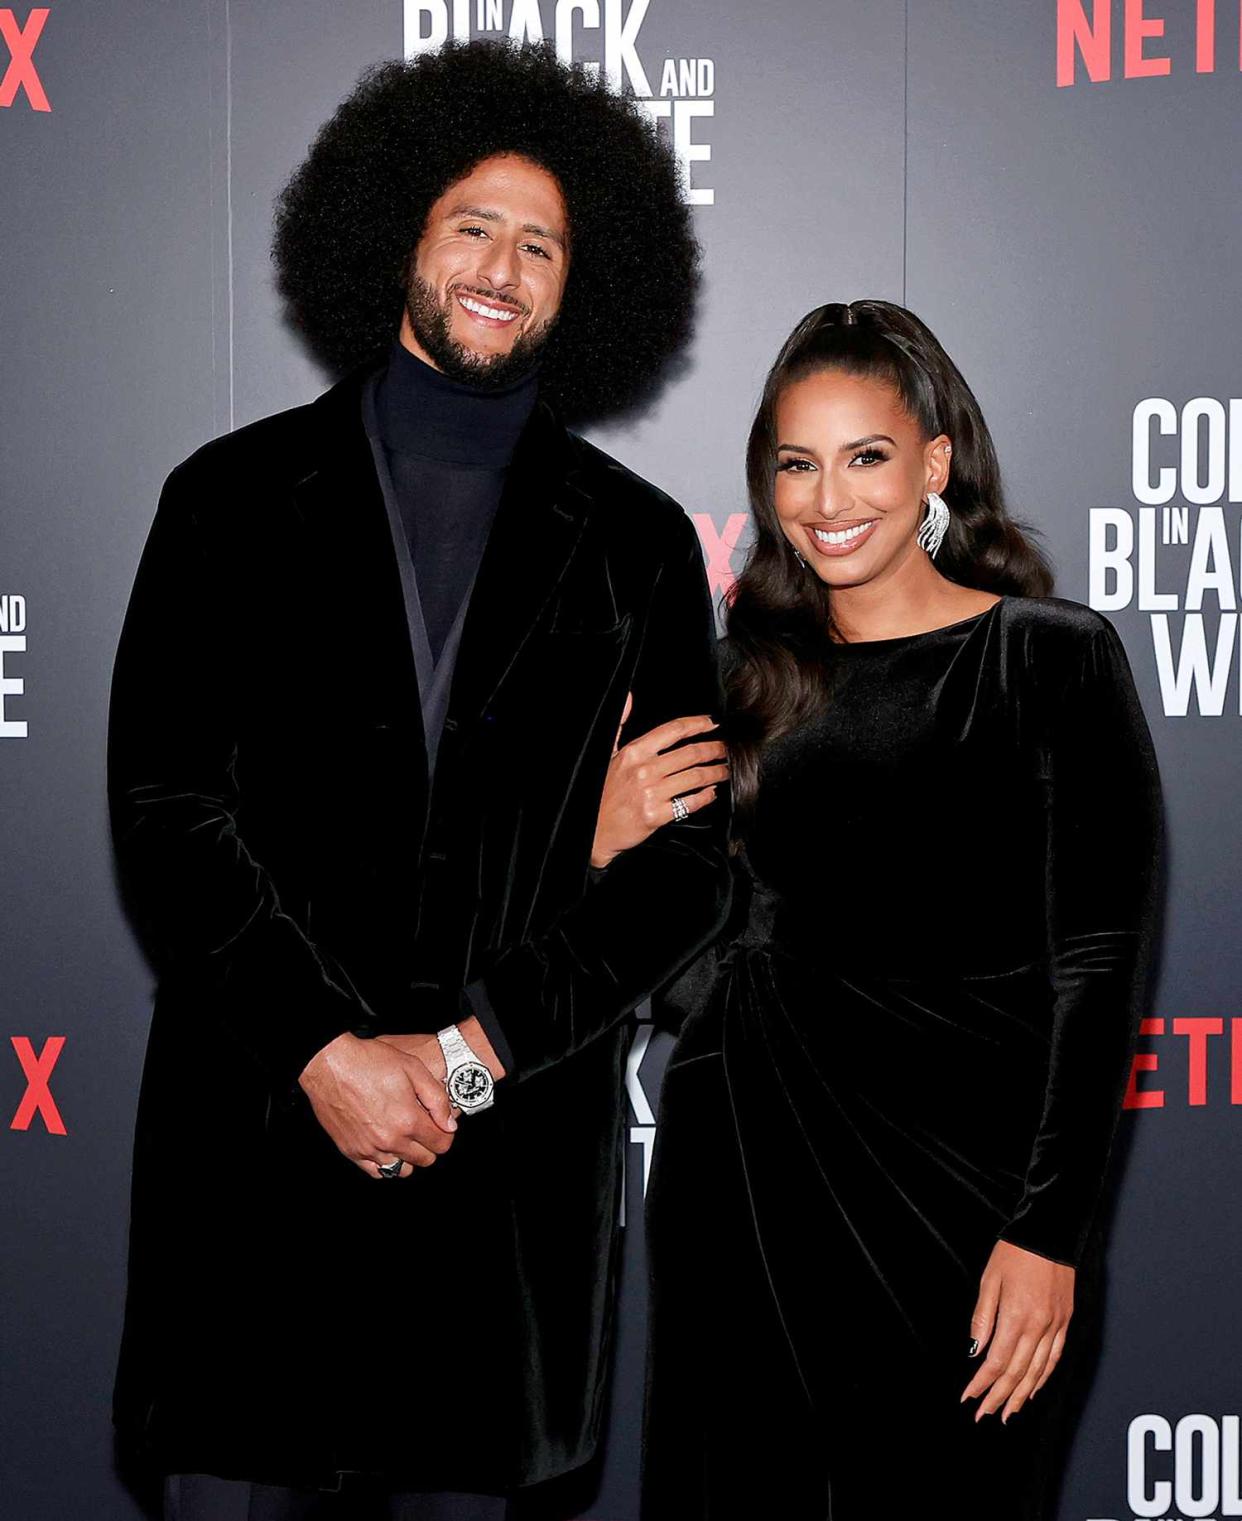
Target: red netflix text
{"type": "Point", "coordinates": [37, 1069]}
{"type": "Point", "coordinates": [1088, 29]}
{"type": "Point", "coordinates": [21, 74]}
{"type": "Point", "coordinates": [718, 547]}
{"type": "Point", "coordinates": [1198, 1059]}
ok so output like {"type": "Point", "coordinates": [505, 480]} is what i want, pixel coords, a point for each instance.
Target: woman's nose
{"type": "Point", "coordinates": [834, 500]}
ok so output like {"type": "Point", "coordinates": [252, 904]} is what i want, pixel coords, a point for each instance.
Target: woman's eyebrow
{"type": "Point", "coordinates": [858, 443]}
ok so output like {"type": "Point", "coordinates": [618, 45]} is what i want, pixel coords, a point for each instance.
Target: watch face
{"type": "Point", "coordinates": [469, 1085]}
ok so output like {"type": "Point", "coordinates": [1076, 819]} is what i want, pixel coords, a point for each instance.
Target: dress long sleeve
{"type": "Point", "coordinates": [1103, 844]}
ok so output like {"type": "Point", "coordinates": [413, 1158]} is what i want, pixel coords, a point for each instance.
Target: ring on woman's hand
{"type": "Point", "coordinates": [390, 1169]}
{"type": "Point", "coordinates": [680, 811]}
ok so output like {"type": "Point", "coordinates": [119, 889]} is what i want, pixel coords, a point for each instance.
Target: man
{"type": "Point", "coordinates": [369, 684]}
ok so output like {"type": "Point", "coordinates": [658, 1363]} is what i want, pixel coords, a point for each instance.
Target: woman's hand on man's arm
{"type": "Point", "coordinates": [645, 776]}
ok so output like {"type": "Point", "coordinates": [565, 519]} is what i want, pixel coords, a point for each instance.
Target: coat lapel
{"type": "Point", "coordinates": [344, 512]}
{"type": "Point", "coordinates": [534, 534]}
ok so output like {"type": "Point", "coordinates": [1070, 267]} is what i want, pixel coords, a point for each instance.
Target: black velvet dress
{"type": "Point", "coordinates": [912, 1040]}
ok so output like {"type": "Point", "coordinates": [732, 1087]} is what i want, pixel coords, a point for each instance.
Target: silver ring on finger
{"type": "Point", "coordinates": [680, 811]}
{"type": "Point", "coordinates": [390, 1169]}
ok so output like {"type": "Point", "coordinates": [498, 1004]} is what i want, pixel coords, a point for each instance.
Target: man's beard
{"type": "Point", "coordinates": [431, 321]}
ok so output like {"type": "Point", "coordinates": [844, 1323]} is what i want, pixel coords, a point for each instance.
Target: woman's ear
{"type": "Point", "coordinates": [937, 456]}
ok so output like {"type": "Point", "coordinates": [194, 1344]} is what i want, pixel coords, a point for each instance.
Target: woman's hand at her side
{"type": "Point", "coordinates": [646, 775]}
{"type": "Point", "coordinates": [1024, 1306]}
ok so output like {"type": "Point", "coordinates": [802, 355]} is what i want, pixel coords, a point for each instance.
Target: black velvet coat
{"type": "Point", "coordinates": [912, 1041]}
{"type": "Point", "coordinates": [293, 875]}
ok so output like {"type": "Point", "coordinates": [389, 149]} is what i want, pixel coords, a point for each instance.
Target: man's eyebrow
{"type": "Point", "coordinates": [544, 232]}
{"type": "Point", "coordinates": [487, 214]}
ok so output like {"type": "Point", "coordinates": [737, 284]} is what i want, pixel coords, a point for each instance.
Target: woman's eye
{"type": "Point", "coordinates": [869, 456]}
{"type": "Point", "coordinates": [796, 466]}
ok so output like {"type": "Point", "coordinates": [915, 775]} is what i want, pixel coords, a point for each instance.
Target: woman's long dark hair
{"type": "Point", "coordinates": [779, 614]}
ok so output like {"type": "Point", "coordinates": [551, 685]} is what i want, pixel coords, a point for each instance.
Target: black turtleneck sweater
{"type": "Point", "coordinates": [448, 447]}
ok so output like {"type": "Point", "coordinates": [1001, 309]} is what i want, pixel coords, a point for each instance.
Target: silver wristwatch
{"type": "Point", "coordinates": [468, 1081]}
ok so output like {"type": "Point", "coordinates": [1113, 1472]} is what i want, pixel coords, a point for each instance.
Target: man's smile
{"type": "Point", "coordinates": [489, 312]}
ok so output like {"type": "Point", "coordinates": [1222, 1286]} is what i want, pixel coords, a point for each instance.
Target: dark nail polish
{"type": "Point", "coordinates": [974, 1347]}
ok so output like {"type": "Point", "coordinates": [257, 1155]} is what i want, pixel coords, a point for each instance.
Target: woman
{"type": "Point", "coordinates": [873, 1208]}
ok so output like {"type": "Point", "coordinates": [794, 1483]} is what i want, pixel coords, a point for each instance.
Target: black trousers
{"type": "Point", "coordinates": [202, 1497]}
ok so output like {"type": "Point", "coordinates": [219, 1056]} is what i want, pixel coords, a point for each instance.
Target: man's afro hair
{"type": "Point", "coordinates": [350, 217]}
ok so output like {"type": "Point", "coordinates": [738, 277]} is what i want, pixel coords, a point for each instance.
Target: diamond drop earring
{"type": "Point", "coordinates": [934, 526]}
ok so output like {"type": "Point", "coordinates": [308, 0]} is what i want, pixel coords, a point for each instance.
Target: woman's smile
{"type": "Point", "coordinates": [840, 538]}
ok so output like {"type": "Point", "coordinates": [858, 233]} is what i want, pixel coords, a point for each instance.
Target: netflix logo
{"type": "Point", "coordinates": [21, 78]}
{"type": "Point", "coordinates": [1100, 38]}
{"type": "Point", "coordinates": [37, 1107]}
{"type": "Point", "coordinates": [1190, 1060]}
{"type": "Point", "coordinates": [718, 546]}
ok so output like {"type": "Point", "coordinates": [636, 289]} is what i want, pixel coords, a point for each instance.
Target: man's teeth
{"type": "Point", "coordinates": [486, 311]}
{"type": "Point", "coordinates": [841, 535]}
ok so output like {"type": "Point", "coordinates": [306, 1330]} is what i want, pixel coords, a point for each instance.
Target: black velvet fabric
{"type": "Point", "coordinates": [293, 876]}
{"type": "Point", "coordinates": [912, 1040]}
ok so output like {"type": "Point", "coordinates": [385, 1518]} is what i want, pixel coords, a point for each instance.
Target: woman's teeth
{"type": "Point", "coordinates": [841, 535]}
{"type": "Point", "coordinates": [486, 311]}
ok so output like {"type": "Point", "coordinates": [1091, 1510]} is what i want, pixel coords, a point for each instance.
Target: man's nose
{"type": "Point", "coordinates": [499, 265]}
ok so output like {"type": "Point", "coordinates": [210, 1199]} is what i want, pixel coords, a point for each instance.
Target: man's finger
{"type": "Point", "coordinates": [371, 1168]}
{"type": "Point", "coordinates": [408, 1128]}
{"type": "Point", "coordinates": [411, 1155]}
{"type": "Point", "coordinates": [370, 1165]}
{"type": "Point", "coordinates": [431, 1094]}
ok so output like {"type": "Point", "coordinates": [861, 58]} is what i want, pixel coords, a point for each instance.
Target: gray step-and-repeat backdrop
{"type": "Point", "coordinates": [1052, 184]}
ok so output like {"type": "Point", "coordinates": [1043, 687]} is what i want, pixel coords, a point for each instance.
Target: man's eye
{"type": "Point", "coordinates": [535, 248]}
{"type": "Point", "coordinates": [472, 230]}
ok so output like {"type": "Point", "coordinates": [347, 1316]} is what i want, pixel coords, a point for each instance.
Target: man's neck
{"type": "Point", "coordinates": [424, 412]}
